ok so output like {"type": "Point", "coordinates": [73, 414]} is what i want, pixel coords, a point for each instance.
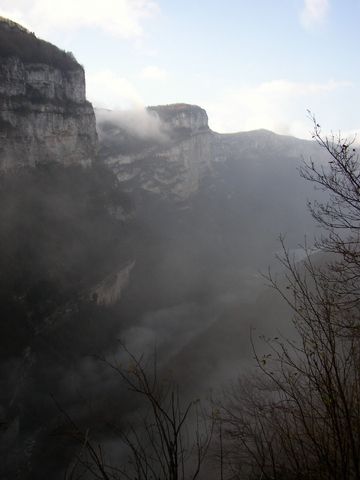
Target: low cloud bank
{"type": "Point", "coordinates": [138, 123]}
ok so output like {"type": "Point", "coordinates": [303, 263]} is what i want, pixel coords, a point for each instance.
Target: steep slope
{"type": "Point", "coordinates": [171, 162]}
{"type": "Point", "coordinates": [65, 253]}
{"type": "Point", "coordinates": [44, 115]}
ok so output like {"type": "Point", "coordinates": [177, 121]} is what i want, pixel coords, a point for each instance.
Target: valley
{"type": "Point", "coordinates": [142, 226]}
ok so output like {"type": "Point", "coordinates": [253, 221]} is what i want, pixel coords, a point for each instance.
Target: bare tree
{"type": "Point", "coordinates": [300, 417]}
{"type": "Point", "coordinates": [169, 439]}
{"type": "Point", "coordinates": [339, 216]}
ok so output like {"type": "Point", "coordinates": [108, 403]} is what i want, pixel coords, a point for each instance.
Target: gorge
{"type": "Point", "coordinates": [155, 236]}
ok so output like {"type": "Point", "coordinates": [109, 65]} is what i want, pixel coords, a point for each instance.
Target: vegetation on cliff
{"type": "Point", "coordinates": [16, 41]}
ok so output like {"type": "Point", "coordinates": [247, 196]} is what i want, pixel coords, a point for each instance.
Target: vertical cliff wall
{"type": "Point", "coordinates": [44, 115]}
{"type": "Point", "coordinates": [173, 163]}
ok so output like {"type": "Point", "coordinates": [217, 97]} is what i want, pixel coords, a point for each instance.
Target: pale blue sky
{"type": "Point", "coordinates": [250, 63]}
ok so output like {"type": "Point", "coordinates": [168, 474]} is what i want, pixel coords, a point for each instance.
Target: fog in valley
{"type": "Point", "coordinates": [176, 302]}
{"type": "Point", "coordinates": [178, 272]}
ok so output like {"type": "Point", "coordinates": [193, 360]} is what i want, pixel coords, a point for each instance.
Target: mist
{"type": "Point", "coordinates": [193, 296]}
{"type": "Point", "coordinates": [179, 302]}
{"type": "Point", "coordinates": [129, 131]}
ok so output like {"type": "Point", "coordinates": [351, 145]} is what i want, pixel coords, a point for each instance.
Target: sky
{"type": "Point", "coordinates": [250, 63]}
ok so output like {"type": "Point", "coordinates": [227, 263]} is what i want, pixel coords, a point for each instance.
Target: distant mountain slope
{"type": "Point", "coordinates": [217, 195]}
{"type": "Point", "coordinates": [181, 152]}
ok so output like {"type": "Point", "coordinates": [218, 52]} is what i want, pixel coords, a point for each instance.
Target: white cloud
{"type": "Point", "coordinates": [153, 72]}
{"type": "Point", "coordinates": [314, 12]}
{"type": "Point", "coordinates": [138, 122]}
{"type": "Point", "coordinates": [122, 18]}
{"type": "Point", "coordinates": [278, 105]}
{"type": "Point", "coordinates": [105, 89]}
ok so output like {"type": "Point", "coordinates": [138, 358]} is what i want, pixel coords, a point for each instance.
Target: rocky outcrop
{"type": "Point", "coordinates": [44, 115]}
{"type": "Point", "coordinates": [171, 165]}
{"type": "Point", "coordinates": [174, 171]}
{"type": "Point", "coordinates": [181, 117]}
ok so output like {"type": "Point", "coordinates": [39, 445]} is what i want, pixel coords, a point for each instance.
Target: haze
{"type": "Point", "coordinates": [161, 239]}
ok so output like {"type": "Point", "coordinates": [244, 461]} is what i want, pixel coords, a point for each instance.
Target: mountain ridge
{"type": "Point", "coordinates": [183, 151]}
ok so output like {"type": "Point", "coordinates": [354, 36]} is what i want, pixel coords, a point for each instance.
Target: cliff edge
{"type": "Point", "coordinates": [44, 115]}
{"type": "Point", "coordinates": [181, 118]}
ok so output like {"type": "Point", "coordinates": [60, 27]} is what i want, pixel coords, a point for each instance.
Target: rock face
{"type": "Point", "coordinates": [44, 115]}
{"type": "Point", "coordinates": [188, 154]}
{"type": "Point", "coordinates": [167, 172]}
{"type": "Point", "coordinates": [171, 165]}
{"type": "Point", "coordinates": [181, 116]}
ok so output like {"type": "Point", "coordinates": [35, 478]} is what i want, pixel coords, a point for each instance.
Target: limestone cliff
{"type": "Point", "coordinates": [44, 115]}
{"type": "Point", "coordinates": [186, 152]}
{"type": "Point", "coordinates": [171, 165]}
{"type": "Point", "coordinates": [181, 117]}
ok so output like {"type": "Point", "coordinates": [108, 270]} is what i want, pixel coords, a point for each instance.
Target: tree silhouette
{"type": "Point", "coordinates": [300, 416]}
